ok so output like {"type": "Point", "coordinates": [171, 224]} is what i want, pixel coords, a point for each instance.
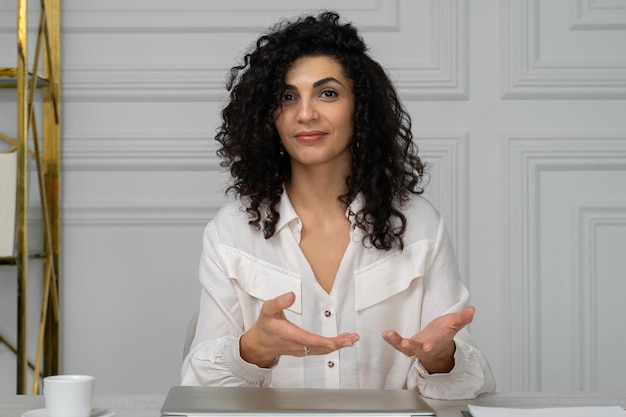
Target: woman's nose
{"type": "Point", "coordinates": [306, 112]}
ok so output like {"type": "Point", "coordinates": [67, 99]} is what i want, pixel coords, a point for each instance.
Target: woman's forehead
{"type": "Point", "coordinates": [320, 66]}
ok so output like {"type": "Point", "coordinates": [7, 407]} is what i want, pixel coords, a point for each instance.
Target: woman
{"type": "Point", "coordinates": [329, 270]}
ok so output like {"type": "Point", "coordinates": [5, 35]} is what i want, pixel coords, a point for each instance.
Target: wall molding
{"type": "Point", "coordinates": [445, 75]}
{"type": "Point", "coordinates": [194, 16]}
{"type": "Point", "coordinates": [184, 82]}
{"type": "Point", "coordinates": [148, 151]}
{"type": "Point", "coordinates": [153, 215]}
{"type": "Point", "coordinates": [597, 15]}
{"type": "Point", "coordinates": [525, 73]}
{"type": "Point", "coordinates": [120, 213]}
{"type": "Point", "coordinates": [588, 217]}
{"type": "Point", "coordinates": [525, 156]}
{"type": "Point", "coordinates": [445, 154]}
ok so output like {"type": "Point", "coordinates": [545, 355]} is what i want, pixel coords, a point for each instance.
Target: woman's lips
{"type": "Point", "coordinates": [311, 136]}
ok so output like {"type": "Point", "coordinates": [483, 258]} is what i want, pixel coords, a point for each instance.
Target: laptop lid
{"type": "Point", "coordinates": [288, 402]}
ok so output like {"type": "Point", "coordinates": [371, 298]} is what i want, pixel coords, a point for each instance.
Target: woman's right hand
{"type": "Point", "coordinates": [273, 335]}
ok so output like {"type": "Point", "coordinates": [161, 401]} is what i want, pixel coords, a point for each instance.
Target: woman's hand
{"type": "Point", "coordinates": [273, 335]}
{"type": "Point", "coordinates": [433, 346]}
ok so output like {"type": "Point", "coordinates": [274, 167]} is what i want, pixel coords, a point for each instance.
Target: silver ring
{"type": "Point", "coordinates": [307, 352]}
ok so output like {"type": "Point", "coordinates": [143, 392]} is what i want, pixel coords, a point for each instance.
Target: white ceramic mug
{"type": "Point", "coordinates": [68, 395]}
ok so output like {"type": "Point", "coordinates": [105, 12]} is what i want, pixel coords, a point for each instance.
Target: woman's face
{"type": "Point", "coordinates": [315, 117]}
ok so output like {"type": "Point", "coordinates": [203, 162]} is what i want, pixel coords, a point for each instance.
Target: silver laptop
{"type": "Point", "coordinates": [292, 402]}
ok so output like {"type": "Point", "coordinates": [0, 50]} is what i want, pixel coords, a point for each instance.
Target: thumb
{"type": "Point", "coordinates": [287, 299]}
{"type": "Point", "coordinates": [467, 315]}
{"type": "Point", "coordinates": [279, 303]}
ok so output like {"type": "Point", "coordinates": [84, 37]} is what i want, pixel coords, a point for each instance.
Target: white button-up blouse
{"type": "Point", "coordinates": [374, 290]}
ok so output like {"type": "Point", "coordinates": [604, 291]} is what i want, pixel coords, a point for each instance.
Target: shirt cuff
{"type": "Point", "coordinates": [243, 369]}
{"type": "Point", "coordinates": [470, 376]}
{"type": "Point", "coordinates": [457, 370]}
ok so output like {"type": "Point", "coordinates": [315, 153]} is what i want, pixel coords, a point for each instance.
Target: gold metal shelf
{"type": "Point", "coordinates": [25, 81]}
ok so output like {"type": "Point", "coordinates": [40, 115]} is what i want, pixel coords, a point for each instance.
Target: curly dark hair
{"type": "Point", "coordinates": [385, 165]}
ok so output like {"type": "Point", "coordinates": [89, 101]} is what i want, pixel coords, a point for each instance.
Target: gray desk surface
{"type": "Point", "coordinates": [149, 405]}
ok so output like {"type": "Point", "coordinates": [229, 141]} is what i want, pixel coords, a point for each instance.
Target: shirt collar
{"type": "Point", "coordinates": [288, 213]}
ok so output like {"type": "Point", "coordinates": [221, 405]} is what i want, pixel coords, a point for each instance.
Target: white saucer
{"type": "Point", "coordinates": [96, 412]}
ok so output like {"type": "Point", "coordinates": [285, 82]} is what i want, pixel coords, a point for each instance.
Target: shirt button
{"type": "Point", "coordinates": [327, 313]}
{"type": "Point", "coordinates": [331, 364]}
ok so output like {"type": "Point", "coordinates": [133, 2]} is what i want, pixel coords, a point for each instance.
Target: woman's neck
{"type": "Point", "coordinates": [317, 189]}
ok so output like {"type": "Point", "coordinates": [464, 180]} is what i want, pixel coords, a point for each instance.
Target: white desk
{"type": "Point", "coordinates": [531, 400]}
{"type": "Point", "coordinates": [149, 405]}
{"type": "Point", "coordinates": [124, 405]}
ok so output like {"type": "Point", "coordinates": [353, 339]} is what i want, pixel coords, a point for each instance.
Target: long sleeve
{"type": "Point", "coordinates": [214, 357]}
{"type": "Point", "coordinates": [445, 293]}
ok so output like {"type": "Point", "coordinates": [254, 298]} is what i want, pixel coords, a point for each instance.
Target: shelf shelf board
{"type": "Point", "coordinates": [12, 260]}
{"type": "Point", "coordinates": [8, 78]}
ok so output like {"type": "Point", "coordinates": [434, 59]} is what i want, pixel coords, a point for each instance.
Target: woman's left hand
{"type": "Point", "coordinates": [433, 346]}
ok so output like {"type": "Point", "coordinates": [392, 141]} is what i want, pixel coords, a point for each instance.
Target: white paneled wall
{"type": "Point", "coordinates": [560, 49]}
{"type": "Point", "coordinates": [518, 108]}
{"type": "Point", "coordinates": [559, 190]}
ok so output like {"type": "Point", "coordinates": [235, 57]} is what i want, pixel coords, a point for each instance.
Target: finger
{"type": "Point", "coordinates": [392, 337]}
{"type": "Point", "coordinates": [467, 315]}
{"type": "Point", "coordinates": [319, 345]}
{"type": "Point", "coordinates": [329, 344]}
{"type": "Point", "coordinates": [406, 346]}
{"type": "Point", "coordinates": [345, 340]}
{"type": "Point", "coordinates": [413, 347]}
{"type": "Point", "coordinates": [458, 321]}
{"type": "Point", "coordinates": [278, 304]}
{"type": "Point", "coordinates": [286, 300]}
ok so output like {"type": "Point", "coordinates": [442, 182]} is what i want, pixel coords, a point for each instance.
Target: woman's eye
{"type": "Point", "coordinates": [329, 94]}
{"type": "Point", "coordinates": [288, 97]}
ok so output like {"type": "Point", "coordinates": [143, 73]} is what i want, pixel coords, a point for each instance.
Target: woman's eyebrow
{"type": "Point", "coordinates": [326, 80]}
{"type": "Point", "coordinates": [289, 87]}
{"type": "Point", "coordinates": [316, 83]}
